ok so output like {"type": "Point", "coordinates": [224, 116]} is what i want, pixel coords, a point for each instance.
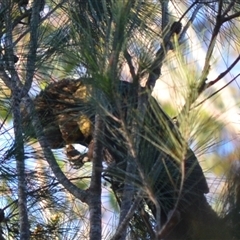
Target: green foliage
{"type": "Point", "coordinates": [149, 157]}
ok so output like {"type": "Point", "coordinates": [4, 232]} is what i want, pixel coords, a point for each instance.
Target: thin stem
{"type": "Point", "coordinates": [213, 94]}
{"type": "Point", "coordinates": [33, 44]}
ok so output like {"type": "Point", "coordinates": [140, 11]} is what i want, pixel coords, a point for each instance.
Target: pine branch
{"type": "Point", "coordinates": [70, 187]}
{"type": "Point", "coordinates": [201, 84]}
{"type": "Point", "coordinates": [33, 44]}
{"type": "Point", "coordinates": [18, 131]}
{"type": "Point", "coordinates": [121, 230]}
{"type": "Point", "coordinates": [94, 192]}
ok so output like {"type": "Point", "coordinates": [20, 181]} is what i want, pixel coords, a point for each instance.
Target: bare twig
{"type": "Point", "coordinates": [211, 83]}
{"type": "Point", "coordinates": [213, 94]}
{"type": "Point", "coordinates": [235, 15]}
{"type": "Point", "coordinates": [189, 23]}
{"type": "Point", "coordinates": [221, 75]}
{"type": "Point", "coordinates": [213, 40]}
{"type": "Point", "coordinates": [155, 68]}
{"type": "Point", "coordinates": [202, 85]}
{"type": "Point", "coordinates": [229, 7]}
{"type": "Point", "coordinates": [33, 44]}
{"type": "Point", "coordinates": [42, 20]}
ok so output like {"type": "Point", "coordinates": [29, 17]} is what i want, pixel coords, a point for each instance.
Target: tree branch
{"type": "Point", "coordinates": [235, 15]}
{"type": "Point", "coordinates": [125, 222]}
{"type": "Point", "coordinates": [206, 68]}
{"type": "Point", "coordinates": [70, 187]}
{"type": "Point", "coordinates": [201, 85]}
{"type": "Point", "coordinates": [221, 75]}
{"type": "Point", "coordinates": [213, 94]}
{"type": "Point", "coordinates": [18, 131]}
{"type": "Point", "coordinates": [94, 198]}
{"type": "Point", "coordinates": [33, 44]}
{"type": "Point", "coordinates": [190, 21]}
{"type": "Point", "coordinates": [229, 7]}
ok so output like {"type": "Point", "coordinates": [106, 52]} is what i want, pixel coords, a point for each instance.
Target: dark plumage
{"type": "Point", "coordinates": [176, 27]}
{"type": "Point", "coordinates": [67, 118]}
{"type": "Point", "coordinates": [170, 168]}
{"type": "Point", "coordinates": [62, 111]}
{"type": "Point", "coordinates": [172, 171]}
